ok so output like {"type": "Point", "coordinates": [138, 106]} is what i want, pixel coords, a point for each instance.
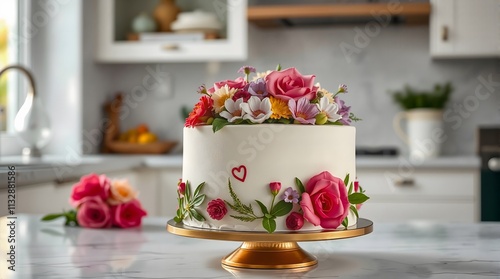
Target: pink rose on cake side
{"type": "Point", "coordinates": [217, 209]}
{"type": "Point", "coordinates": [91, 185]}
{"type": "Point", "coordinates": [325, 201]}
{"type": "Point", "coordinates": [128, 215]}
{"type": "Point", "coordinates": [93, 213]}
{"type": "Point", "coordinates": [289, 84]}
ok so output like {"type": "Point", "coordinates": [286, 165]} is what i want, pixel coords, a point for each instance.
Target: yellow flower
{"type": "Point", "coordinates": [279, 108]}
{"type": "Point", "coordinates": [221, 95]}
{"type": "Point", "coordinates": [121, 192]}
{"type": "Point", "coordinates": [329, 95]}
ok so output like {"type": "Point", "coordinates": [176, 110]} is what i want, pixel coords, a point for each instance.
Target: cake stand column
{"type": "Point", "coordinates": [269, 255]}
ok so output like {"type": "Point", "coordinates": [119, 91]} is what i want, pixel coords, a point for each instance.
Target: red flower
{"type": "Point", "coordinates": [216, 209]}
{"type": "Point", "coordinates": [181, 188]}
{"type": "Point", "coordinates": [91, 185]}
{"type": "Point", "coordinates": [128, 215]}
{"type": "Point", "coordinates": [202, 111]}
{"type": "Point", "coordinates": [275, 187]}
{"type": "Point", "coordinates": [242, 94]}
{"type": "Point", "coordinates": [294, 221]}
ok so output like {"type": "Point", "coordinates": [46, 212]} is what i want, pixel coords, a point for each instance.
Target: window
{"type": "Point", "coordinates": [9, 54]}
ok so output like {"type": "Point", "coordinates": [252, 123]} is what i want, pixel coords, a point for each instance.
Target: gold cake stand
{"type": "Point", "coordinates": [264, 250]}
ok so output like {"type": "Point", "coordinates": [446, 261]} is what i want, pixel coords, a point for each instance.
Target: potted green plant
{"type": "Point", "coordinates": [423, 112]}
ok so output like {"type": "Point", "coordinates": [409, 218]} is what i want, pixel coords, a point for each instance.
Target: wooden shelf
{"type": "Point", "coordinates": [265, 14]}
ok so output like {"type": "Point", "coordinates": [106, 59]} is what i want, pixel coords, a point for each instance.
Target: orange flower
{"type": "Point", "coordinates": [121, 192]}
{"type": "Point", "coordinates": [202, 111]}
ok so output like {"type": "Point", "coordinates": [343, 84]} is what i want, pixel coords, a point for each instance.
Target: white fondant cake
{"type": "Point", "coordinates": [251, 157]}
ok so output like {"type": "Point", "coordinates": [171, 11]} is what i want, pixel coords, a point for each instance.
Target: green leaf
{"type": "Point", "coordinates": [218, 124]}
{"type": "Point", "coordinates": [269, 216]}
{"type": "Point", "coordinates": [196, 215]}
{"type": "Point", "coordinates": [233, 207]}
{"type": "Point", "coordinates": [50, 217]}
{"type": "Point", "coordinates": [282, 208]}
{"type": "Point", "coordinates": [354, 210]}
{"type": "Point", "coordinates": [263, 208]}
{"type": "Point", "coordinates": [284, 121]}
{"type": "Point", "coordinates": [198, 189]}
{"type": "Point", "coordinates": [346, 180]}
{"type": "Point", "coordinates": [177, 219]}
{"type": "Point", "coordinates": [269, 225]}
{"type": "Point", "coordinates": [299, 184]}
{"type": "Point", "coordinates": [350, 189]}
{"type": "Point", "coordinates": [187, 193]}
{"type": "Point", "coordinates": [278, 67]}
{"type": "Point", "coordinates": [243, 218]}
{"type": "Point", "coordinates": [357, 198]}
{"type": "Point", "coordinates": [197, 201]}
{"type": "Point", "coordinates": [345, 222]}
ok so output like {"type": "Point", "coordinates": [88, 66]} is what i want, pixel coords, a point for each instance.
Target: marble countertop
{"type": "Point", "coordinates": [69, 168]}
{"type": "Point", "coordinates": [410, 250]}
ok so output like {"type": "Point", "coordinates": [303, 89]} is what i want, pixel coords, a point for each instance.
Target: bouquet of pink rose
{"type": "Point", "coordinates": [100, 202]}
{"type": "Point", "coordinates": [280, 96]}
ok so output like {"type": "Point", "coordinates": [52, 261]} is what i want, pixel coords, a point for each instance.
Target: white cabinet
{"type": "Point", "coordinates": [465, 28]}
{"type": "Point", "coordinates": [422, 194]}
{"type": "Point", "coordinates": [168, 190]}
{"type": "Point", "coordinates": [114, 20]}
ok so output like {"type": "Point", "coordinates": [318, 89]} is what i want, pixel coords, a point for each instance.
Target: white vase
{"type": "Point", "coordinates": [424, 132]}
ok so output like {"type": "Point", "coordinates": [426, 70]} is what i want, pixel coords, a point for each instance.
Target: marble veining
{"type": "Point", "coordinates": [405, 250]}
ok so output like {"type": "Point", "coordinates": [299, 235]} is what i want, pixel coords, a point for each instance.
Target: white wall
{"type": "Point", "coordinates": [56, 58]}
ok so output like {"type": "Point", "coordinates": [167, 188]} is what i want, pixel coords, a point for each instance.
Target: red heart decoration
{"type": "Point", "coordinates": [240, 173]}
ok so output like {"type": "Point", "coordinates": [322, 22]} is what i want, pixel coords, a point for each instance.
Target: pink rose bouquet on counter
{"type": "Point", "coordinates": [101, 203]}
{"type": "Point", "coordinates": [280, 96]}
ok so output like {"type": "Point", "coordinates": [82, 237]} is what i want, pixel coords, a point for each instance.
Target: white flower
{"type": "Point", "coordinates": [257, 111]}
{"type": "Point", "coordinates": [325, 92]}
{"type": "Point", "coordinates": [329, 109]}
{"type": "Point", "coordinates": [221, 95]}
{"type": "Point", "coordinates": [261, 75]}
{"type": "Point", "coordinates": [234, 111]}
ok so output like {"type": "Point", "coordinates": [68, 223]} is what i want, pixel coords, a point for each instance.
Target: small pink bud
{"type": "Point", "coordinates": [356, 186]}
{"type": "Point", "coordinates": [275, 187]}
{"type": "Point", "coordinates": [181, 187]}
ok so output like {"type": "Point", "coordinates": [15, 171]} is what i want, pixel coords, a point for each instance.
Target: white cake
{"type": "Point", "coordinates": [252, 156]}
{"type": "Point", "coordinates": [275, 153]}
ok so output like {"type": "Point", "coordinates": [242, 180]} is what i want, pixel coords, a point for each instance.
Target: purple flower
{"type": "Point", "coordinates": [290, 195]}
{"type": "Point", "coordinates": [344, 111]}
{"type": "Point", "coordinates": [202, 89]}
{"type": "Point", "coordinates": [258, 88]}
{"type": "Point", "coordinates": [303, 111]}
{"type": "Point", "coordinates": [343, 88]}
{"type": "Point", "coordinates": [246, 70]}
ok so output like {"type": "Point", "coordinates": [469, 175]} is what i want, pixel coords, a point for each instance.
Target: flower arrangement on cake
{"type": "Point", "coordinates": [280, 96]}
{"type": "Point", "coordinates": [100, 202]}
{"type": "Point", "coordinates": [265, 191]}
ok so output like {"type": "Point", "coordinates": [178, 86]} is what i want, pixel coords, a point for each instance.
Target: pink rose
{"type": "Point", "coordinates": [92, 185]}
{"type": "Point", "coordinates": [93, 213]}
{"type": "Point", "coordinates": [216, 209]}
{"type": "Point", "coordinates": [325, 201]}
{"type": "Point", "coordinates": [128, 215]}
{"type": "Point", "coordinates": [294, 221]}
{"type": "Point", "coordinates": [290, 84]}
{"type": "Point", "coordinates": [238, 83]}
{"type": "Point", "coordinates": [275, 187]}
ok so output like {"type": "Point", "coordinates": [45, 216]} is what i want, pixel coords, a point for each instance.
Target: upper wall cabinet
{"type": "Point", "coordinates": [465, 28]}
{"type": "Point", "coordinates": [118, 43]}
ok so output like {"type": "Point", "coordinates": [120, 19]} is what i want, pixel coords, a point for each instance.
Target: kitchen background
{"type": "Point", "coordinates": [397, 56]}
{"type": "Point", "coordinates": [74, 87]}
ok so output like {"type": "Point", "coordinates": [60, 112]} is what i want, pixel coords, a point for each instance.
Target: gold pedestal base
{"type": "Point", "coordinates": [262, 250]}
{"type": "Point", "coordinates": [269, 255]}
